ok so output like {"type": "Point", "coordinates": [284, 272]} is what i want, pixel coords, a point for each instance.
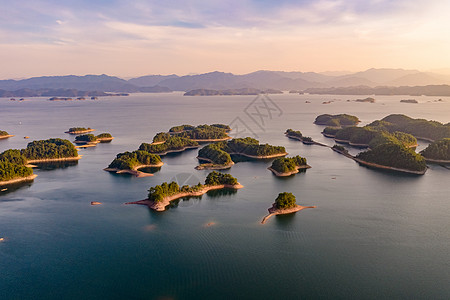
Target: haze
{"type": "Point", "coordinates": [132, 38]}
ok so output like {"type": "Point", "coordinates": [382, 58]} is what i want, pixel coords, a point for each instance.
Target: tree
{"type": "Point", "coordinates": [285, 200]}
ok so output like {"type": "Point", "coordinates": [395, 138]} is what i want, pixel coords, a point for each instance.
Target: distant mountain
{"type": "Point", "coordinates": [150, 80]}
{"type": "Point", "coordinates": [382, 76]}
{"type": "Point", "coordinates": [418, 79]}
{"type": "Point", "coordinates": [428, 90]}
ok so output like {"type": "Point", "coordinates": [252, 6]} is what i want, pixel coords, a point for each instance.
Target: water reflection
{"type": "Point", "coordinates": [48, 166]}
{"type": "Point", "coordinates": [14, 187]}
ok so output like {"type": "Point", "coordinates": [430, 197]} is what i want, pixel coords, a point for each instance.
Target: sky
{"type": "Point", "coordinates": [135, 38]}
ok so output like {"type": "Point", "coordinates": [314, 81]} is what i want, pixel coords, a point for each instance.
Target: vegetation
{"type": "Point", "coordinates": [439, 150]}
{"type": "Point", "coordinates": [336, 120]}
{"type": "Point", "coordinates": [288, 164]}
{"type": "Point", "coordinates": [48, 149]}
{"type": "Point", "coordinates": [181, 128]}
{"type": "Point", "coordinates": [293, 133]}
{"type": "Point", "coordinates": [394, 155]}
{"type": "Point", "coordinates": [161, 137]}
{"type": "Point", "coordinates": [12, 165]}
{"type": "Point", "coordinates": [159, 192]}
{"type": "Point", "coordinates": [204, 132]}
{"type": "Point", "coordinates": [130, 160]}
{"type": "Point", "coordinates": [222, 126]}
{"type": "Point", "coordinates": [104, 136]}
{"type": "Point", "coordinates": [331, 130]}
{"type": "Point", "coordinates": [285, 200]}
{"type": "Point", "coordinates": [384, 137]}
{"type": "Point", "coordinates": [307, 139]}
{"type": "Point", "coordinates": [3, 133]}
{"type": "Point", "coordinates": [215, 152]}
{"type": "Point", "coordinates": [340, 148]}
{"type": "Point", "coordinates": [87, 138]}
{"type": "Point", "coordinates": [77, 129]}
{"type": "Point", "coordinates": [171, 144]}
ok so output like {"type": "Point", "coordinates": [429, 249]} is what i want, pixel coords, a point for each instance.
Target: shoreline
{"type": "Point", "coordinates": [135, 171]}
{"type": "Point", "coordinates": [260, 156]}
{"type": "Point", "coordinates": [161, 206]}
{"type": "Point", "coordinates": [437, 161]}
{"type": "Point", "coordinates": [273, 211]}
{"type": "Point", "coordinates": [44, 160]}
{"type": "Point", "coordinates": [6, 136]}
{"type": "Point", "coordinates": [174, 151]}
{"type": "Point", "coordinates": [298, 168]}
{"type": "Point", "coordinates": [374, 165]}
{"type": "Point", "coordinates": [17, 180]}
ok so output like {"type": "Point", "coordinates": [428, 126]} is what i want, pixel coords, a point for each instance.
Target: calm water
{"type": "Point", "coordinates": [373, 234]}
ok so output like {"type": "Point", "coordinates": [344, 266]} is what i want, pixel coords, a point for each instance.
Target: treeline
{"type": "Point", "coordinates": [336, 120]}
{"type": "Point", "coordinates": [285, 200]}
{"type": "Point", "coordinates": [51, 148]}
{"type": "Point", "coordinates": [130, 160]}
{"type": "Point", "coordinates": [159, 192]}
{"type": "Point", "coordinates": [12, 165]}
{"type": "Point", "coordinates": [3, 133]}
{"type": "Point", "coordinates": [439, 150]}
{"type": "Point", "coordinates": [172, 143]}
{"type": "Point", "coordinates": [293, 133]}
{"type": "Point", "coordinates": [78, 129]}
{"type": "Point", "coordinates": [288, 164]}
{"type": "Point", "coordinates": [90, 138]}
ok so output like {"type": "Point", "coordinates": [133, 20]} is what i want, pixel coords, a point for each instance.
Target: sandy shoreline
{"type": "Point", "coordinates": [135, 171]}
{"type": "Point", "coordinates": [273, 211]}
{"type": "Point", "coordinates": [6, 136]}
{"type": "Point", "coordinates": [161, 206]}
{"type": "Point", "coordinates": [17, 180]}
{"type": "Point", "coordinates": [33, 161]}
{"type": "Point", "coordinates": [298, 168]}
{"type": "Point", "coordinates": [80, 132]}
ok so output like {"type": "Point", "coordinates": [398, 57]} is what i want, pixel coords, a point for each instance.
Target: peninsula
{"type": "Point", "coordinates": [160, 196]}
{"type": "Point", "coordinates": [340, 120]}
{"type": "Point", "coordinates": [284, 204]}
{"type": "Point", "coordinates": [131, 162]}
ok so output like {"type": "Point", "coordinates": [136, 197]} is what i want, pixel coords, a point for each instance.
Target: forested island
{"type": "Point", "coordinates": [438, 151]}
{"type": "Point", "coordinates": [160, 196]}
{"type": "Point", "coordinates": [131, 162]}
{"type": "Point", "coordinates": [201, 133]}
{"type": "Point", "coordinates": [79, 130]}
{"type": "Point", "coordinates": [285, 203]}
{"type": "Point", "coordinates": [13, 168]}
{"type": "Point", "coordinates": [4, 135]}
{"type": "Point", "coordinates": [172, 144]}
{"type": "Point", "coordinates": [287, 166]}
{"type": "Point", "coordinates": [231, 92]}
{"type": "Point", "coordinates": [219, 154]}
{"type": "Point", "coordinates": [297, 135]}
{"type": "Point", "coordinates": [92, 140]}
{"type": "Point", "coordinates": [340, 120]}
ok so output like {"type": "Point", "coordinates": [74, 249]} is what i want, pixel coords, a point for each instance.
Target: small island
{"type": "Point", "coordinates": [340, 120]}
{"type": "Point", "coordinates": [160, 196]}
{"type": "Point", "coordinates": [287, 166]}
{"type": "Point", "coordinates": [172, 144]}
{"type": "Point", "coordinates": [297, 135]}
{"type": "Point", "coordinates": [366, 100]}
{"type": "Point", "coordinates": [284, 204]}
{"type": "Point", "coordinates": [79, 130]}
{"type": "Point", "coordinates": [13, 168]}
{"type": "Point", "coordinates": [5, 135]}
{"type": "Point", "coordinates": [51, 150]}
{"type": "Point", "coordinates": [131, 162]}
{"type": "Point", "coordinates": [90, 140]}
{"type": "Point", "coordinates": [413, 101]}
{"type": "Point", "coordinates": [218, 155]}
{"type": "Point", "coordinates": [438, 152]}
{"type": "Point", "coordinates": [231, 92]}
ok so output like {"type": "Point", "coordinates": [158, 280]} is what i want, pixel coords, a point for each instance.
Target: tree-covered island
{"type": "Point", "coordinates": [285, 203]}
{"type": "Point", "coordinates": [172, 144]}
{"type": "Point", "coordinates": [438, 152]}
{"type": "Point", "coordinates": [340, 120]}
{"type": "Point", "coordinates": [92, 140]}
{"type": "Point", "coordinates": [131, 162]}
{"type": "Point", "coordinates": [13, 168]}
{"type": "Point", "coordinates": [287, 166]}
{"type": "Point", "coordinates": [79, 130]}
{"type": "Point", "coordinates": [50, 150]}
{"type": "Point", "coordinates": [219, 154]}
{"type": "Point", "coordinates": [5, 135]}
{"type": "Point", "coordinates": [160, 196]}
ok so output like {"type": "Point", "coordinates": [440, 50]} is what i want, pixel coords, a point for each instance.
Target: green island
{"type": "Point", "coordinates": [285, 203]}
{"type": "Point", "coordinates": [219, 154]}
{"type": "Point", "coordinates": [79, 130]}
{"type": "Point", "coordinates": [172, 144]}
{"type": "Point", "coordinates": [438, 151]}
{"type": "Point", "coordinates": [160, 196]}
{"type": "Point", "coordinates": [90, 140]}
{"type": "Point", "coordinates": [340, 120]}
{"type": "Point", "coordinates": [287, 166]}
{"type": "Point", "coordinates": [50, 150]}
{"type": "Point", "coordinates": [393, 156]}
{"type": "Point", "coordinates": [131, 162]}
{"type": "Point", "coordinates": [13, 168]}
{"type": "Point", "coordinates": [297, 135]}
{"type": "Point", "coordinates": [4, 135]}
{"type": "Point", "coordinates": [202, 133]}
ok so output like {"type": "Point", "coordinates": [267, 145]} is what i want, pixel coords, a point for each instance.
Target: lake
{"type": "Point", "coordinates": [373, 235]}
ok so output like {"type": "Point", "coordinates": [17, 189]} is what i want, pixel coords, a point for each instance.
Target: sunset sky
{"type": "Point", "coordinates": [134, 38]}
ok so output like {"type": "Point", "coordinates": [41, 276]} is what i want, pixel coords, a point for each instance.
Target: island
{"type": "Point", "coordinates": [13, 168]}
{"type": "Point", "coordinates": [172, 144]}
{"type": "Point", "coordinates": [160, 196]}
{"type": "Point", "coordinates": [297, 135]}
{"type": "Point", "coordinates": [131, 162]}
{"type": "Point", "coordinates": [438, 152]}
{"type": "Point", "coordinates": [287, 166]}
{"type": "Point", "coordinates": [5, 135]}
{"type": "Point", "coordinates": [105, 137]}
{"type": "Point", "coordinates": [366, 100]}
{"type": "Point", "coordinates": [79, 130]}
{"type": "Point", "coordinates": [284, 204]}
{"type": "Point", "coordinates": [202, 133]}
{"type": "Point", "coordinates": [413, 101]}
{"type": "Point", "coordinates": [231, 92]}
{"type": "Point", "coordinates": [90, 140]}
{"type": "Point", "coordinates": [218, 155]}
{"type": "Point", "coordinates": [50, 150]}
{"type": "Point", "coordinates": [340, 120]}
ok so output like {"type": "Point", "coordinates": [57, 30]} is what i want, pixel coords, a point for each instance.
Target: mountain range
{"type": "Point", "coordinates": [222, 81]}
